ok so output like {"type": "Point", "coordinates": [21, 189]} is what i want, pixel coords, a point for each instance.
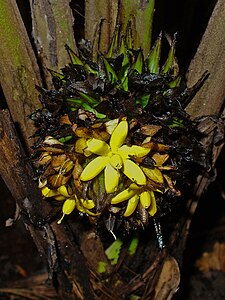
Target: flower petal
{"type": "Point", "coordinates": [116, 161]}
{"type": "Point", "coordinates": [131, 206]}
{"type": "Point", "coordinates": [64, 191]}
{"type": "Point", "coordinates": [79, 205]}
{"type": "Point", "coordinates": [124, 195]}
{"type": "Point", "coordinates": [94, 168]}
{"type": "Point", "coordinates": [112, 177]}
{"type": "Point", "coordinates": [47, 192]}
{"type": "Point", "coordinates": [134, 172]}
{"type": "Point", "coordinates": [139, 151]}
{"type": "Point", "coordinates": [59, 198]}
{"type": "Point", "coordinates": [145, 199]}
{"type": "Point", "coordinates": [153, 208]}
{"type": "Point", "coordinates": [118, 136]}
{"type": "Point", "coordinates": [89, 204]}
{"type": "Point", "coordinates": [125, 152]}
{"type": "Point", "coordinates": [98, 147]}
{"type": "Point", "coordinates": [68, 206]}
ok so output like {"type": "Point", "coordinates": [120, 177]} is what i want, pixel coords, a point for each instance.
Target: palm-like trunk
{"type": "Point", "coordinates": [68, 249]}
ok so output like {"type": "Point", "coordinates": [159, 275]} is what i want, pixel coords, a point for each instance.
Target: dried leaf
{"type": "Point", "coordinates": [99, 134]}
{"type": "Point", "coordinates": [160, 159]}
{"type": "Point", "coordinates": [169, 280]}
{"type": "Point", "coordinates": [76, 174]}
{"type": "Point", "coordinates": [65, 120]}
{"type": "Point", "coordinates": [57, 180]}
{"type": "Point", "coordinates": [154, 174]}
{"type": "Point", "coordinates": [171, 186]}
{"type": "Point", "coordinates": [11, 221]}
{"type": "Point", "coordinates": [58, 160]}
{"type": "Point", "coordinates": [212, 260]}
{"type": "Point", "coordinates": [150, 130]}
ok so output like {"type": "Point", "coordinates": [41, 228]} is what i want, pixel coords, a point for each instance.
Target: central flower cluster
{"type": "Point", "coordinates": [114, 158]}
{"type": "Point", "coordinates": [128, 184]}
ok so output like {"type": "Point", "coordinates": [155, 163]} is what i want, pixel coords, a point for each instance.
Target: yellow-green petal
{"type": "Point", "coordinates": [139, 151]}
{"type": "Point", "coordinates": [153, 208]}
{"type": "Point", "coordinates": [59, 198]}
{"type": "Point", "coordinates": [124, 195]}
{"type": "Point", "coordinates": [68, 206]}
{"type": "Point", "coordinates": [145, 199]}
{"type": "Point", "coordinates": [116, 161]}
{"type": "Point", "coordinates": [89, 204]}
{"type": "Point", "coordinates": [79, 205]}
{"type": "Point", "coordinates": [131, 206]}
{"type": "Point", "coordinates": [94, 168]}
{"type": "Point", "coordinates": [125, 152]}
{"type": "Point", "coordinates": [118, 136]}
{"type": "Point", "coordinates": [47, 192]}
{"type": "Point", "coordinates": [63, 190]}
{"type": "Point", "coordinates": [98, 147]}
{"type": "Point", "coordinates": [134, 172]}
{"type": "Point", "coordinates": [112, 177]}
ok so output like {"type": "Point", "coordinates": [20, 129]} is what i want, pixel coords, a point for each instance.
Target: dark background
{"type": "Point", "coordinates": [18, 254]}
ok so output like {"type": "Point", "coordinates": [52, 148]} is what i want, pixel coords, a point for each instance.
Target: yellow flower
{"type": "Point", "coordinates": [71, 201]}
{"type": "Point", "coordinates": [81, 205]}
{"type": "Point", "coordinates": [114, 157]}
{"type": "Point", "coordinates": [133, 195]}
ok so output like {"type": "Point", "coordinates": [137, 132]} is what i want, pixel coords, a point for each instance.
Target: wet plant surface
{"type": "Point", "coordinates": [203, 266]}
{"type": "Point", "coordinates": [114, 141]}
{"type": "Point", "coordinates": [167, 124]}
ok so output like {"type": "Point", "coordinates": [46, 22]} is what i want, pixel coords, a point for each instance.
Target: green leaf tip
{"type": "Point", "coordinates": [133, 246]}
{"type": "Point", "coordinates": [73, 57]}
{"type": "Point", "coordinates": [111, 74]}
{"type": "Point", "coordinates": [65, 139]}
{"type": "Point", "coordinates": [138, 65]}
{"type": "Point", "coordinates": [114, 44]}
{"type": "Point", "coordinates": [154, 56]}
{"type": "Point", "coordinates": [113, 251]}
{"type": "Point", "coordinates": [102, 267]}
{"type": "Point", "coordinates": [143, 100]}
{"type": "Point", "coordinates": [171, 65]}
